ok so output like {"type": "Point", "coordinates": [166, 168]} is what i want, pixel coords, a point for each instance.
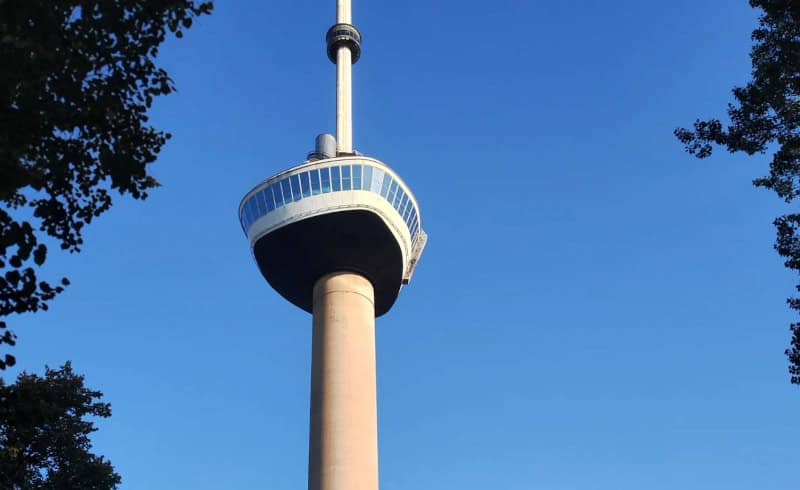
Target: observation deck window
{"type": "Point", "coordinates": [259, 206]}
{"type": "Point", "coordinates": [377, 180]}
{"type": "Point", "coordinates": [325, 175]}
{"type": "Point", "coordinates": [398, 201]}
{"type": "Point", "coordinates": [356, 177]}
{"type": "Point", "coordinates": [286, 187]}
{"type": "Point", "coordinates": [276, 192]}
{"type": "Point", "coordinates": [385, 186]}
{"type": "Point", "coordinates": [315, 182]}
{"type": "Point", "coordinates": [331, 179]}
{"type": "Point", "coordinates": [392, 192]}
{"type": "Point", "coordinates": [249, 216]}
{"type": "Point", "coordinates": [269, 198]}
{"type": "Point", "coordinates": [346, 177]}
{"type": "Point", "coordinates": [296, 196]}
{"type": "Point", "coordinates": [403, 207]}
{"type": "Point", "coordinates": [336, 179]}
{"type": "Point", "coordinates": [262, 203]}
{"type": "Point", "coordinates": [305, 183]}
{"type": "Point", "coordinates": [367, 186]}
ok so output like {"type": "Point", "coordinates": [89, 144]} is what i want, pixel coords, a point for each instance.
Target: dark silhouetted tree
{"type": "Point", "coordinates": [77, 78]}
{"type": "Point", "coordinates": [44, 434]}
{"type": "Point", "coordinates": [766, 118]}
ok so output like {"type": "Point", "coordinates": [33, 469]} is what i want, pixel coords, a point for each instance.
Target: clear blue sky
{"type": "Point", "coordinates": [595, 309]}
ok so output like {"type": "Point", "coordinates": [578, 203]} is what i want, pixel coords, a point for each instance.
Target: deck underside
{"type": "Point", "coordinates": [294, 257]}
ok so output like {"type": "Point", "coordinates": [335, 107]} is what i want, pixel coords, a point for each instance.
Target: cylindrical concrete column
{"type": "Point", "coordinates": [343, 447]}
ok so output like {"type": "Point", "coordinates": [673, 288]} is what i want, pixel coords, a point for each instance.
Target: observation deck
{"type": "Point", "coordinates": [349, 213]}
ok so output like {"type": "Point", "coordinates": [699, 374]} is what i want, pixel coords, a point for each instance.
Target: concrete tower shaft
{"type": "Point", "coordinates": [343, 446]}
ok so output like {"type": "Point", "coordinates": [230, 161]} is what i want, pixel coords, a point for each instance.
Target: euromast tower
{"type": "Point", "coordinates": [338, 236]}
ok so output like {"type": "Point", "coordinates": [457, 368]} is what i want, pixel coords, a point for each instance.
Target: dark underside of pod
{"type": "Point", "coordinates": [294, 257]}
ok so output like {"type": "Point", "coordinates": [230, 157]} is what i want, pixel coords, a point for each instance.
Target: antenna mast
{"type": "Point", "coordinates": [344, 49]}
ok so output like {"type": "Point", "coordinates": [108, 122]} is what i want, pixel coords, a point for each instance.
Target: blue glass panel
{"type": "Point", "coordinates": [407, 212]}
{"type": "Point", "coordinates": [326, 179]}
{"type": "Point", "coordinates": [266, 197]}
{"type": "Point", "coordinates": [286, 187]}
{"type": "Point", "coordinates": [270, 200]}
{"type": "Point", "coordinates": [403, 205]}
{"type": "Point", "coordinates": [367, 185]}
{"type": "Point", "coordinates": [244, 218]}
{"type": "Point", "coordinates": [253, 210]}
{"type": "Point", "coordinates": [262, 205]}
{"type": "Point", "coordinates": [315, 182]}
{"type": "Point", "coordinates": [387, 182]}
{"type": "Point", "coordinates": [258, 204]}
{"type": "Point", "coordinates": [335, 180]}
{"type": "Point", "coordinates": [356, 177]}
{"type": "Point", "coordinates": [377, 180]}
{"type": "Point", "coordinates": [276, 191]}
{"type": "Point", "coordinates": [248, 214]}
{"type": "Point", "coordinates": [277, 194]}
{"type": "Point", "coordinates": [385, 186]}
{"type": "Point", "coordinates": [392, 192]}
{"type": "Point", "coordinates": [345, 177]}
{"type": "Point", "coordinates": [305, 183]}
{"type": "Point", "coordinates": [398, 201]}
{"type": "Point", "coordinates": [258, 210]}
{"type": "Point", "coordinates": [296, 196]}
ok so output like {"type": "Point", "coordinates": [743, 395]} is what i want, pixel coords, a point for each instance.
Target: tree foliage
{"type": "Point", "coordinates": [44, 434]}
{"type": "Point", "coordinates": [77, 78]}
{"type": "Point", "coordinates": [766, 118]}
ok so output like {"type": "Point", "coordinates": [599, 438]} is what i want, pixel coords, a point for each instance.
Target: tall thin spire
{"type": "Point", "coordinates": [344, 49]}
{"type": "Point", "coordinates": [344, 12]}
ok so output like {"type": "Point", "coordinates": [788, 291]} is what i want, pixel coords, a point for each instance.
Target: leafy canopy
{"type": "Point", "coordinates": [44, 433]}
{"type": "Point", "coordinates": [77, 78]}
{"type": "Point", "coordinates": [766, 117]}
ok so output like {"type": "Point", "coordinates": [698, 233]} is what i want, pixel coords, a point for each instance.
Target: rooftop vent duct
{"type": "Point", "coordinates": [325, 148]}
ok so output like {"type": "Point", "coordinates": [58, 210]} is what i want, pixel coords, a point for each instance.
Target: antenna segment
{"type": "Point", "coordinates": [344, 49]}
